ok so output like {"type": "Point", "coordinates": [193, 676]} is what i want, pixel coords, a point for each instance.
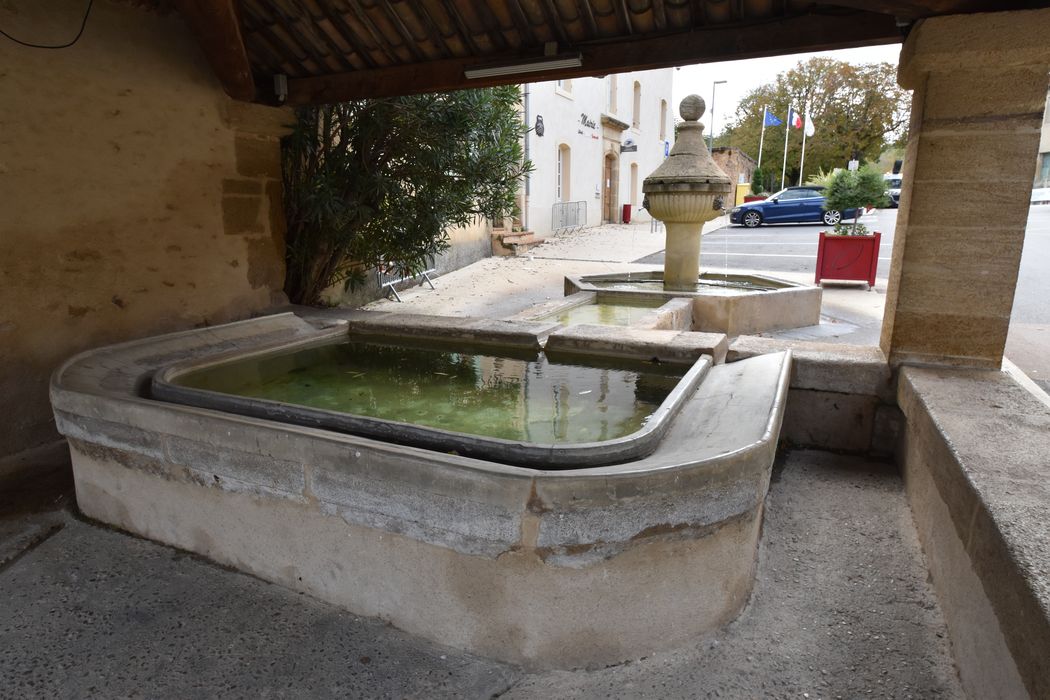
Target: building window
{"type": "Point", "coordinates": [634, 184]}
{"type": "Point", "coordinates": [612, 94]}
{"type": "Point", "coordinates": [663, 120]}
{"type": "Point", "coordinates": [564, 172]}
{"type": "Point", "coordinates": [564, 86]}
{"type": "Point", "coordinates": [636, 119]}
{"type": "Point", "coordinates": [1044, 172]}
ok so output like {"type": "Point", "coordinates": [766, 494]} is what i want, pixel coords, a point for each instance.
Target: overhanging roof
{"type": "Point", "coordinates": [333, 50]}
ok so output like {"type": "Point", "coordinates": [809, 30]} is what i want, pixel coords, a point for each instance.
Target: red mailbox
{"type": "Point", "coordinates": [627, 213]}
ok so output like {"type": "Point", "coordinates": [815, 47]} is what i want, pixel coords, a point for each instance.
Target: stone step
{"type": "Point", "coordinates": [515, 243]}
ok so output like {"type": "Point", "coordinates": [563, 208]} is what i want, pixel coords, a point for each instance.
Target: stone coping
{"type": "Point", "coordinates": [845, 369]}
{"type": "Point", "coordinates": [987, 451]}
{"type": "Point", "coordinates": [620, 341]}
{"type": "Point", "coordinates": [476, 331]}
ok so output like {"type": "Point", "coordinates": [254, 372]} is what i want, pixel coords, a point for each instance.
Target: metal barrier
{"type": "Point", "coordinates": [656, 226]}
{"type": "Point", "coordinates": [389, 275]}
{"type": "Point", "coordinates": [565, 215]}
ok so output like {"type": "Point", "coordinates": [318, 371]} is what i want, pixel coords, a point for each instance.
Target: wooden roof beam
{"type": "Point", "coordinates": [912, 9]}
{"type": "Point", "coordinates": [218, 29]}
{"type": "Point", "coordinates": [793, 35]}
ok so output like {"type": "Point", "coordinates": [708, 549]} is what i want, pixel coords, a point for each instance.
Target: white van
{"type": "Point", "coordinates": [893, 188]}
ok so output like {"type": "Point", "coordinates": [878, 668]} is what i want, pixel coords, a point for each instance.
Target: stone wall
{"type": "Point", "coordinates": [137, 198]}
{"type": "Point", "coordinates": [734, 163]}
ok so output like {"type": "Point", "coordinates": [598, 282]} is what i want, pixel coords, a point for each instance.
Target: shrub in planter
{"type": "Point", "coordinates": [853, 189]}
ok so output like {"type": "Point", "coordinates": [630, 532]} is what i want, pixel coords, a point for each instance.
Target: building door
{"type": "Point", "coordinates": [609, 213]}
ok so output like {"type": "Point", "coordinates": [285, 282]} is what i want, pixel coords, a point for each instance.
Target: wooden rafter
{"type": "Point", "coordinates": [436, 37]}
{"type": "Point", "coordinates": [348, 35]}
{"type": "Point", "coordinates": [624, 13]}
{"type": "Point", "coordinates": [910, 9]}
{"type": "Point", "coordinates": [522, 23]}
{"type": "Point", "coordinates": [555, 21]}
{"type": "Point", "coordinates": [402, 30]}
{"type": "Point", "coordinates": [805, 33]}
{"type": "Point", "coordinates": [218, 30]}
{"type": "Point", "coordinates": [659, 15]}
{"type": "Point", "coordinates": [461, 26]}
{"type": "Point", "coordinates": [587, 12]}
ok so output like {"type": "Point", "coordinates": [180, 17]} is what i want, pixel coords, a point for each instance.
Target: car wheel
{"type": "Point", "coordinates": [832, 217]}
{"type": "Point", "coordinates": [752, 219]}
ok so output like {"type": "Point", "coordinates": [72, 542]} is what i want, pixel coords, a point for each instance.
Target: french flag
{"type": "Point", "coordinates": [794, 118]}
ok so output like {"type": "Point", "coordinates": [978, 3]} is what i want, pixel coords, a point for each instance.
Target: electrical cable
{"type": "Point", "coordinates": [83, 23]}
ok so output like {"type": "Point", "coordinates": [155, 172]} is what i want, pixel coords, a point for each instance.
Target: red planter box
{"type": "Point", "coordinates": [850, 258]}
{"type": "Point", "coordinates": [753, 197]}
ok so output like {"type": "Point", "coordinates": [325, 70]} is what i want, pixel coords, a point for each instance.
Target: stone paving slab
{"type": "Point", "coordinates": [841, 608]}
{"type": "Point", "coordinates": [95, 613]}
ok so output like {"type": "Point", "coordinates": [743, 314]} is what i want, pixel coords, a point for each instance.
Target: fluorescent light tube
{"type": "Point", "coordinates": [541, 64]}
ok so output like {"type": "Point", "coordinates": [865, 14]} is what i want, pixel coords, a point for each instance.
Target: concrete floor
{"type": "Point", "coordinates": [841, 608]}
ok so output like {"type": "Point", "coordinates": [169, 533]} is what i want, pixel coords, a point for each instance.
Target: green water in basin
{"type": "Point", "coordinates": [606, 314]}
{"type": "Point", "coordinates": [531, 398]}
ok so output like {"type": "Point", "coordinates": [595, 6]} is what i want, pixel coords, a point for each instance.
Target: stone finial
{"type": "Point", "coordinates": [692, 108]}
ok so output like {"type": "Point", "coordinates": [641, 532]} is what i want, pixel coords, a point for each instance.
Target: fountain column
{"type": "Point", "coordinates": [685, 192]}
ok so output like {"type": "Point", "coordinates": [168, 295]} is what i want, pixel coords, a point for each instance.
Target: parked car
{"type": "Point", "coordinates": [893, 189]}
{"type": "Point", "coordinates": [789, 205]}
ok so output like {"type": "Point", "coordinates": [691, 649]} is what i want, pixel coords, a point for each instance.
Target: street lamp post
{"type": "Point", "coordinates": [711, 147]}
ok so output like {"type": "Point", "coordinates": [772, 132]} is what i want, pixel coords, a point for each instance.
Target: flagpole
{"type": "Point", "coordinates": [802, 160]}
{"type": "Point", "coordinates": [787, 133]}
{"type": "Point", "coordinates": [762, 137]}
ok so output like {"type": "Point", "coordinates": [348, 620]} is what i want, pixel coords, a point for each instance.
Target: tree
{"type": "Point", "coordinates": [760, 180]}
{"type": "Point", "coordinates": [857, 110]}
{"type": "Point", "coordinates": [853, 189]}
{"type": "Point", "coordinates": [378, 182]}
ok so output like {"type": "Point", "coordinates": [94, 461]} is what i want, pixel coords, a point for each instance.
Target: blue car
{"type": "Point", "coordinates": [789, 205]}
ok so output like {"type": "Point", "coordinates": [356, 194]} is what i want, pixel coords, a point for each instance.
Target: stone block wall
{"type": "Point", "coordinates": [137, 198]}
{"type": "Point", "coordinates": [734, 163]}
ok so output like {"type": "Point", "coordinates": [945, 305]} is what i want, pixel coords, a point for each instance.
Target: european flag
{"type": "Point", "coordinates": [772, 120]}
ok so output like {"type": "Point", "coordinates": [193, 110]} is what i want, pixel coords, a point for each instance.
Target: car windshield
{"type": "Point", "coordinates": [893, 183]}
{"type": "Point", "coordinates": [777, 194]}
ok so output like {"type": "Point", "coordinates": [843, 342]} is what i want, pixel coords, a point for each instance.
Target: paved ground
{"type": "Point", "coordinates": [841, 608]}
{"type": "Point", "coordinates": [1028, 344]}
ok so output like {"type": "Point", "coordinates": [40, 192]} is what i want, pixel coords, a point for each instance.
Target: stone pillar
{"type": "Point", "coordinates": [979, 84]}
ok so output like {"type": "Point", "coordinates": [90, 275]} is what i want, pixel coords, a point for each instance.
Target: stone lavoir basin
{"type": "Point", "coordinates": [515, 405]}
{"type": "Point", "coordinates": [554, 566]}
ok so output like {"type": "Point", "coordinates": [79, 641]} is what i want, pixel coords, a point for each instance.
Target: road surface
{"type": "Point", "coordinates": [792, 248]}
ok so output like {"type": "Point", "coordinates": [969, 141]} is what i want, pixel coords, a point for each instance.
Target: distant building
{"type": "Point", "coordinates": [738, 165]}
{"type": "Point", "coordinates": [593, 142]}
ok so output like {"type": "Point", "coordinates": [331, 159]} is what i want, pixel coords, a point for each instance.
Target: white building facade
{"type": "Point", "coordinates": [593, 141]}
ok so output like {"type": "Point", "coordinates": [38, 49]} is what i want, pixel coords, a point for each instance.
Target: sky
{"type": "Point", "coordinates": [746, 75]}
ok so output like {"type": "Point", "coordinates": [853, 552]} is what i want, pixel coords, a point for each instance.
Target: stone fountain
{"type": "Point", "coordinates": [685, 192]}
